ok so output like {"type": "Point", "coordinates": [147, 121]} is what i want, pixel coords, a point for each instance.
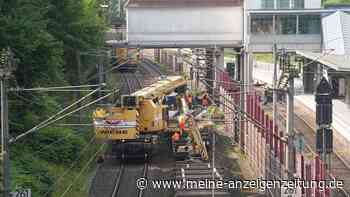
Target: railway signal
{"type": "Point", "coordinates": [324, 135]}
{"type": "Point", "coordinates": [327, 145]}
{"type": "Point", "coordinates": [324, 103]}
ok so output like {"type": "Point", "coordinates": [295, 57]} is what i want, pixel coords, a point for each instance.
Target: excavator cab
{"type": "Point", "coordinates": [129, 101]}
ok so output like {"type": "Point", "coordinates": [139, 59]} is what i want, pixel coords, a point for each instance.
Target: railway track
{"type": "Point", "coordinates": [131, 82]}
{"type": "Point", "coordinates": [151, 68]}
{"type": "Point", "coordinates": [118, 180]}
{"type": "Point", "coordinates": [186, 170]}
{"type": "Point", "coordinates": [103, 181]}
{"type": "Point", "coordinates": [115, 178]}
{"type": "Point", "coordinates": [146, 74]}
{"type": "Point", "coordinates": [339, 168]}
{"type": "Point", "coordinates": [125, 184]}
{"type": "Point", "coordinates": [147, 67]}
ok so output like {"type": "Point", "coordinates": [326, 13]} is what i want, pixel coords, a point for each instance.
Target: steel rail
{"type": "Point", "coordinates": [151, 65]}
{"type": "Point", "coordinates": [138, 81]}
{"type": "Point", "coordinates": [144, 175]}
{"type": "Point", "coordinates": [118, 180]}
{"type": "Point", "coordinates": [125, 78]}
{"type": "Point", "coordinates": [151, 68]}
{"type": "Point", "coordinates": [132, 83]}
{"type": "Point", "coordinates": [147, 68]}
{"type": "Point", "coordinates": [311, 150]}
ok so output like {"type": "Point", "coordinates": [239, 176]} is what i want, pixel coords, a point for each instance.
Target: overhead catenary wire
{"type": "Point", "coordinates": [48, 122]}
{"type": "Point", "coordinates": [56, 88]}
{"type": "Point", "coordinates": [78, 109]}
{"type": "Point", "coordinates": [66, 90]}
{"type": "Point", "coordinates": [44, 148]}
{"type": "Point", "coordinates": [82, 170]}
{"type": "Point", "coordinates": [227, 82]}
{"type": "Point", "coordinates": [107, 71]}
{"type": "Point", "coordinates": [245, 114]}
{"type": "Point", "coordinates": [57, 114]}
{"type": "Point", "coordinates": [310, 149]}
{"type": "Point", "coordinates": [73, 164]}
{"type": "Point", "coordinates": [246, 84]}
{"type": "Point", "coordinates": [64, 125]}
{"type": "Point", "coordinates": [30, 101]}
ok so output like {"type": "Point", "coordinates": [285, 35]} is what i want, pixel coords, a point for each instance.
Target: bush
{"type": "Point", "coordinates": [31, 173]}
{"type": "Point", "coordinates": [66, 148]}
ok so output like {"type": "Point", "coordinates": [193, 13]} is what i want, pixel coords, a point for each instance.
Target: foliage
{"type": "Point", "coordinates": [231, 68]}
{"type": "Point", "coordinates": [163, 68]}
{"type": "Point", "coordinates": [336, 2]}
{"type": "Point", "coordinates": [229, 53]}
{"type": "Point", "coordinates": [215, 112]}
{"type": "Point", "coordinates": [47, 37]}
{"type": "Point", "coordinates": [64, 152]}
{"type": "Point", "coordinates": [264, 57]}
{"type": "Point", "coordinates": [28, 171]}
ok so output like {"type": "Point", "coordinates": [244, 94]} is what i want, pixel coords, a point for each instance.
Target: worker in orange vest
{"type": "Point", "coordinates": [175, 137]}
{"type": "Point", "coordinates": [181, 121]}
{"type": "Point", "coordinates": [189, 100]}
{"type": "Point", "coordinates": [205, 100]}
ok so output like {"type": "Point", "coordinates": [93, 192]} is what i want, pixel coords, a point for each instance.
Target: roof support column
{"type": "Point", "coordinates": [347, 91]}
{"type": "Point", "coordinates": [297, 24]}
{"type": "Point", "coordinates": [242, 98]}
{"type": "Point", "coordinates": [248, 71]}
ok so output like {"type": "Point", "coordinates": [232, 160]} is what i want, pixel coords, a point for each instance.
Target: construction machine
{"type": "Point", "coordinates": [134, 127]}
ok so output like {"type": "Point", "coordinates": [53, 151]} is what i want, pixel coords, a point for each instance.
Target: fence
{"type": "Point", "coordinates": [266, 149]}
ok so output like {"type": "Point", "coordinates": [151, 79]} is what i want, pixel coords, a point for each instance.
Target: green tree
{"type": "Point", "coordinates": [46, 36]}
{"type": "Point", "coordinates": [336, 2]}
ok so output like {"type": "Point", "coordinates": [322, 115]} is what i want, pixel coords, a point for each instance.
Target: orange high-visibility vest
{"type": "Point", "coordinates": [189, 99]}
{"type": "Point", "coordinates": [181, 122]}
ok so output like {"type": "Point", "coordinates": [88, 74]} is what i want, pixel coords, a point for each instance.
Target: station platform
{"type": "Point", "coordinates": [305, 108]}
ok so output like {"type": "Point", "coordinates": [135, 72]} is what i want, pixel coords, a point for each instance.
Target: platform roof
{"type": "Point", "coordinates": [336, 62]}
{"type": "Point", "coordinates": [296, 11]}
{"type": "Point", "coordinates": [183, 3]}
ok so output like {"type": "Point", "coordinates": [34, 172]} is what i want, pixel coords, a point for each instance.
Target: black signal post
{"type": "Point", "coordinates": [324, 135]}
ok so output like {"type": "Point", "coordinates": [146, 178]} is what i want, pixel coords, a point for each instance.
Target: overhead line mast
{"type": "Point", "coordinates": [7, 66]}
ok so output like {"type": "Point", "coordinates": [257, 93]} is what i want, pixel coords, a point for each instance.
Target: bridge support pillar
{"type": "Point", "coordinates": [246, 81]}
{"type": "Point", "coordinates": [161, 56]}
{"type": "Point", "coordinates": [249, 61]}
{"type": "Point", "coordinates": [157, 55]}
{"type": "Point", "coordinates": [220, 58]}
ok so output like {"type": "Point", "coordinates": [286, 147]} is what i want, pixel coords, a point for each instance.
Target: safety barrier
{"type": "Point", "coordinates": [266, 148]}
